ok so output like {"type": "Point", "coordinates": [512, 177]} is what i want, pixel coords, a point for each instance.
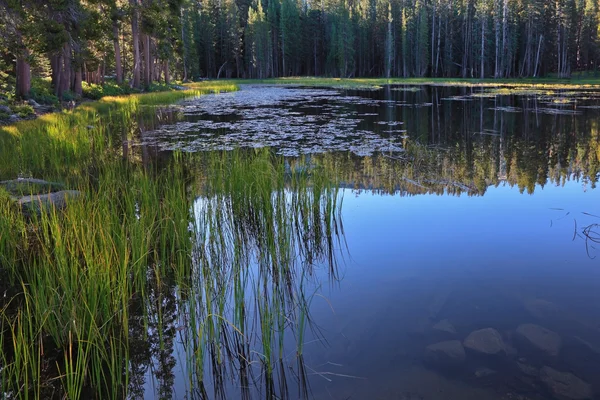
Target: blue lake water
{"type": "Point", "coordinates": [463, 209]}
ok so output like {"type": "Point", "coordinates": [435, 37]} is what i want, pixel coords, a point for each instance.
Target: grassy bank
{"type": "Point", "coordinates": [365, 83]}
{"type": "Point", "coordinates": [215, 249]}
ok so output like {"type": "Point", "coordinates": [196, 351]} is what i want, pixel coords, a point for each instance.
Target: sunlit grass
{"type": "Point", "coordinates": [371, 83]}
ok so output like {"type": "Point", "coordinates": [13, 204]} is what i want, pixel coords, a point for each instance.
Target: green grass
{"type": "Point", "coordinates": [370, 83]}
{"type": "Point", "coordinates": [89, 286]}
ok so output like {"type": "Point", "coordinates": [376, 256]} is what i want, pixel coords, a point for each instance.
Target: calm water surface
{"type": "Point", "coordinates": [463, 209]}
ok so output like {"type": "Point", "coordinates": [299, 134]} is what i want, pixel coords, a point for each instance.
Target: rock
{"type": "Point", "coordinates": [564, 385]}
{"type": "Point", "coordinates": [58, 200]}
{"type": "Point", "coordinates": [33, 103]}
{"type": "Point", "coordinates": [486, 342]}
{"type": "Point", "coordinates": [526, 368]}
{"type": "Point", "coordinates": [445, 327]}
{"type": "Point", "coordinates": [5, 109]}
{"type": "Point", "coordinates": [581, 357]}
{"type": "Point", "coordinates": [483, 372]}
{"type": "Point", "coordinates": [543, 309]}
{"type": "Point", "coordinates": [13, 118]}
{"type": "Point", "coordinates": [446, 354]}
{"type": "Point", "coordinates": [535, 337]}
{"type": "Point", "coordinates": [28, 186]}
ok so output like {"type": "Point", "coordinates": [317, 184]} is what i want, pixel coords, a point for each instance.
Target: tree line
{"type": "Point", "coordinates": [139, 42]}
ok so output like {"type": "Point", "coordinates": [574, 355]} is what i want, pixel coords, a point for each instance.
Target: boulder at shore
{"type": "Point", "coordinates": [58, 200]}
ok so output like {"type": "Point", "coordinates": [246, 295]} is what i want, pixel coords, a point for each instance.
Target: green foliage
{"type": "Point", "coordinates": [23, 110]}
{"type": "Point", "coordinates": [41, 92]}
{"type": "Point", "coordinates": [96, 92]}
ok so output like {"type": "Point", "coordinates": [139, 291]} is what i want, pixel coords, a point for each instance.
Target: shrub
{"type": "Point", "coordinates": [23, 110]}
{"type": "Point", "coordinates": [42, 93]}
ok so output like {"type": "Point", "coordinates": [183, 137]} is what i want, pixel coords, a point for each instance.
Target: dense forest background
{"type": "Point", "coordinates": [138, 42]}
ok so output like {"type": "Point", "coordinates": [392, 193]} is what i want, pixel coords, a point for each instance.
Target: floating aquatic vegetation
{"type": "Point", "coordinates": [558, 111]}
{"type": "Point", "coordinates": [282, 118]}
{"type": "Point", "coordinates": [458, 98]}
{"type": "Point", "coordinates": [507, 109]}
{"type": "Point", "coordinates": [407, 89]}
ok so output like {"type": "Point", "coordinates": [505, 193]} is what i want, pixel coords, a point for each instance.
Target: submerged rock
{"type": "Point", "coordinates": [526, 368]}
{"type": "Point", "coordinates": [483, 372]}
{"type": "Point", "coordinates": [446, 354]}
{"type": "Point", "coordinates": [486, 341]}
{"type": "Point", "coordinates": [543, 309]}
{"type": "Point", "coordinates": [581, 357]}
{"type": "Point", "coordinates": [445, 327]}
{"type": "Point", "coordinates": [564, 385]}
{"type": "Point", "coordinates": [39, 202]}
{"type": "Point", "coordinates": [533, 337]}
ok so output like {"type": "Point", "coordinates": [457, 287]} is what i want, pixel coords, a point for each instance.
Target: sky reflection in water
{"type": "Point", "coordinates": [415, 258]}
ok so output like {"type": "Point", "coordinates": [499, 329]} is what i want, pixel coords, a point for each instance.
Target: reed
{"type": "Point", "coordinates": [216, 244]}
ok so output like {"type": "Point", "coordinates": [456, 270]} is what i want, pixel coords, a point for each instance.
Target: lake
{"type": "Point", "coordinates": [461, 262]}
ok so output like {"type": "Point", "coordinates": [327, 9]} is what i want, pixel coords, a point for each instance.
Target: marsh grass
{"type": "Point", "coordinates": [229, 237]}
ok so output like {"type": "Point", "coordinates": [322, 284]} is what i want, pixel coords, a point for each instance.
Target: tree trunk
{"type": "Point", "coordinates": [65, 81]}
{"type": "Point", "coordinates": [56, 66]}
{"type": "Point", "coordinates": [23, 76]}
{"type": "Point", "coordinates": [118, 67]}
{"type": "Point", "coordinates": [167, 76]}
{"type": "Point", "coordinates": [135, 38]}
{"type": "Point", "coordinates": [147, 61]}
{"type": "Point", "coordinates": [482, 47]}
{"type": "Point", "coordinates": [184, 46]}
{"type": "Point", "coordinates": [77, 85]}
{"type": "Point", "coordinates": [504, 65]}
{"type": "Point", "coordinates": [537, 57]}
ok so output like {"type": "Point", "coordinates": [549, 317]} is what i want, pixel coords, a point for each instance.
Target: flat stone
{"type": "Point", "coordinates": [58, 200]}
{"type": "Point", "coordinates": [445, 354]}
{"type": "Point", "coordinates": [539, 338]}
{"type": "Point", "coordinates": [486, 341]}
{"type": "Point", "coordinates": [564, 385]}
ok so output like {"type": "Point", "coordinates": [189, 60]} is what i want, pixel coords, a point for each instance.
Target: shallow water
{"type": "Point", "coordinates": [463, 209]}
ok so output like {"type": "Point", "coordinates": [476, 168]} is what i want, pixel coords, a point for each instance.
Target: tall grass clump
{"type": "Point", "coordinates": [224, 250]}
{"type": "Point", "coordinates": [73, 274]}
{"type": "Point", "coordinates": [262, 227]}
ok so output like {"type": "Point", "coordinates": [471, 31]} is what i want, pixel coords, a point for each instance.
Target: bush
{"type": "Point", "coordinates": [159, 87]}
{"type": "Point", "coordinates": [42, 93]}
{"type": "Point", "coordinates": [23, 111]}
{"type": "Point", "coordinates": [95, 92]}
{"type": "Point", "coordinates": [68, 95]}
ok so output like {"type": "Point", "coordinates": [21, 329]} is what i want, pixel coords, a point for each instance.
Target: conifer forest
{"type": "Point", "coordinates": [146, 41]}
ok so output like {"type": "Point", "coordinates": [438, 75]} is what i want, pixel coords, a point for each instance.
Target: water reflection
{"type": "Point", "coordinates": [459, 236]}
